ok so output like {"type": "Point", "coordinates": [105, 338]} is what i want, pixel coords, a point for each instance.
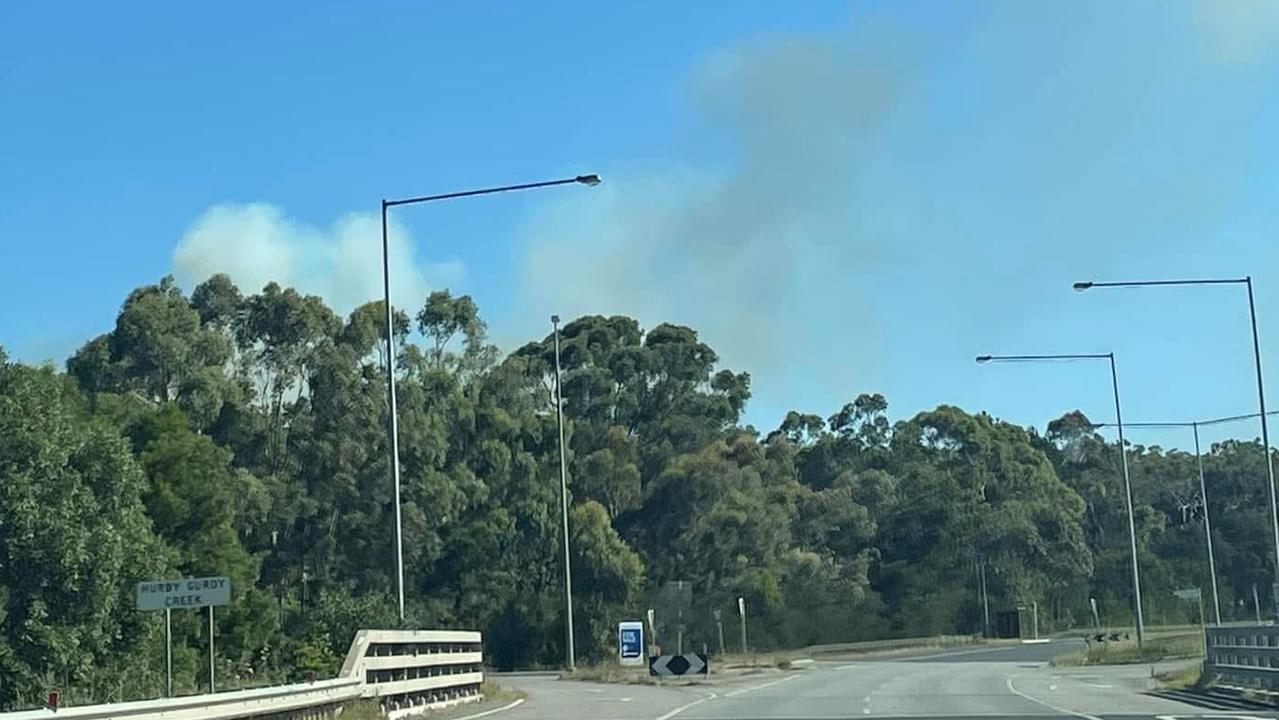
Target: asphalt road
{"type": "Point", "coordinates": [1001, 682]}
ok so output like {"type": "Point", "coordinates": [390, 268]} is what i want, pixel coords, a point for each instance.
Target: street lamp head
{"type": "Point", "coordinates": [591, 179]}
{"type": "Point", "coordinates": [1081, 286]}
{"type": "Point", "coordinates": [983, 358]}
{"type": "Point", "coordinates": [555, 319]}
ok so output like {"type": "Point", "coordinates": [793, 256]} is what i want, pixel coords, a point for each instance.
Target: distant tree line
{"type": "Point", "coordinates": [219, 433]}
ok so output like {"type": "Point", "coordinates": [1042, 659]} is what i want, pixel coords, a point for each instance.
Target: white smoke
{"type": "Point", "coordinates": [257, 243]}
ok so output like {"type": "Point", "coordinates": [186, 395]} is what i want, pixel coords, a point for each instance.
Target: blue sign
{"type": "Point", "coordinates": [630, 642]}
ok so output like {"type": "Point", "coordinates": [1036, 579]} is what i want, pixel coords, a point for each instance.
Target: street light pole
{"type": "Point", "coordinates": [1256, 356]}
{"type": "Point", "coordinates": [1132, 528]}
{"type": "Point", "coordinates": [1265, 430]}
{"type": "Point", "coordinates": [1123, 456]}
{"type": "Point", "coordinates": [1212, 562]}
{"type": "Point", "coordinates": [395, 428]}
{"type": "Point", "coordinates": [1203, 487]}
{"type": "Point", "coordinates": [568, 568]}
{"type": "Point", "coordinates": [393, 423]}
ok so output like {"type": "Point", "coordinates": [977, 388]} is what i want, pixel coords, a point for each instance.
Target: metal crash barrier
{"type": "Point", "coordinates": [1246, 658]}
{"type": "Point", "coordinates": [406, 671]}
{"type": "Point", "coordinates": [412, 670]}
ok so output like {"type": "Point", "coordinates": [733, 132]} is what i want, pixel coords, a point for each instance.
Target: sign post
{"type": "Point", "coordinates": [188, 593]}
{"type": "Point", "coordinates": [741, 610]}
{"type": "Point", "coordinates": [1194, 595]}
{"type": "Point", "coordinates": [630, 643]}
{"type": "Point", "coordinates": [212, 689]}
{"type": "Point", "coordinates": [168, 653]}
{"type": "Point", "coordinates": [719, 626]}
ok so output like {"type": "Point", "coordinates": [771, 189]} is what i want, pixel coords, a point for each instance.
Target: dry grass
{"type": "Point", "coordinates": [1125, 652]}
{"type": "Point", "coordinates": [891, 647]}
{"type": "Point", "coordinates": [754, 660]}
{"type": "Point", "coordinates": [370, 710]}
{"type": "Point", "coordinates": [362, 710]}
{"type": "Point", "coordinates": [611, 673]}
{"type": "Point", "coordinates": [1183, 679]}
{"type": "Point", "coordinates": [492, 691]}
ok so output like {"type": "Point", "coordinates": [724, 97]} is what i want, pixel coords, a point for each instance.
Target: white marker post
{"type": "Point", "coordinates": [212, 688]}
{"type": "Point", "coordinates": [168, 653]}
{"type": "Point", "coordinates": [741, 610]}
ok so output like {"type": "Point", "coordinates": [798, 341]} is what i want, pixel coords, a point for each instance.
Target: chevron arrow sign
{"type": "Point", "coordinates": [676, 665]}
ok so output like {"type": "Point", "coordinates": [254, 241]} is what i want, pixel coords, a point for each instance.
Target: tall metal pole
{"type": "Point", "coordinates": [1261, 393]}
{"type": "Point", "coordinates": [590, 179]}
{"type": "Point", "coordinates": [395, 427]}
{"type": "Point", "coordinates": [1132, 526]}
{"type": "Point", "coordinates": [568, 570]}
{"type": "Point", "coordinates": [1265, 430]}
{"type": "Point", "coordinates": [1212, 562]}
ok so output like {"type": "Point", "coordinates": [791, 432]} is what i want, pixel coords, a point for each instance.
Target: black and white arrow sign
{"type": "Point", "coordinates": [675, 665]}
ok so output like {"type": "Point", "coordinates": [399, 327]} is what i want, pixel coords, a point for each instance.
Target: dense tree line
{"type": "Point", "coordinates": [219, 433]}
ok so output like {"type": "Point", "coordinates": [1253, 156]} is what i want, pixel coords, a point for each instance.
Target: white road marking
{"type": "Point", "coordinates": [686, 706]}
{"type": "Point", "coordinates": [1052, 687]}
{"type": "Point", "coordinates": [753, 688]}
{"type": "Point", "coordinates": [865, 711]}
{"type": "Point", "coordinates": [508, 706]}
{"type": "Point", "coordinates": [1013, 689]}
{"type": "Point", "coordinates": [1099, 685]}
{"type": "Point", "coordinates": [624, 699]}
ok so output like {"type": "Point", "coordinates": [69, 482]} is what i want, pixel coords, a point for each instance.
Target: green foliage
{"type": "Point", "coordinates": [246, 435]}
{"type": "Point", "coordinates": [314, 657]}
{"type": "Point", "coordinates": [74, 539]}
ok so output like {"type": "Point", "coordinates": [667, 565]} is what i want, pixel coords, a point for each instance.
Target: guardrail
{"type": "Point", "coordinates": [1243, 657]}
{"type": "Point", "coordinates": [412, 670]}
{"type": "Point", "coordinates": [407, 671]}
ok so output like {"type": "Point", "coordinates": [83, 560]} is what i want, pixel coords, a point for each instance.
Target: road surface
{"type": "Point", "coordinates": [1002, 682]}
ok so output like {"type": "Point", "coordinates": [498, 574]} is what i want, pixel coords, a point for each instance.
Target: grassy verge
{"type": "Point", "coordinates": [370, 710]}
{"type": "Point", "coordinates": [1184, 679]}
{"type": "Point", "coordinates": [611, 673]}
{"type": "Point", "coordinates": [1126, 652]}
{"type": "Point", "coordinates": [892, 646]}
{"type": "Point", "coordinates": [755, 660]}
{"type": "Point", "coordinates": [362, 710]}
{"type": "Point", "coordinates": [494, 692]}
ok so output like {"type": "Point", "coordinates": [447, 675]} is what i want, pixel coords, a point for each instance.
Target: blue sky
{"type": "Point", "coordinates": [843, 197]}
